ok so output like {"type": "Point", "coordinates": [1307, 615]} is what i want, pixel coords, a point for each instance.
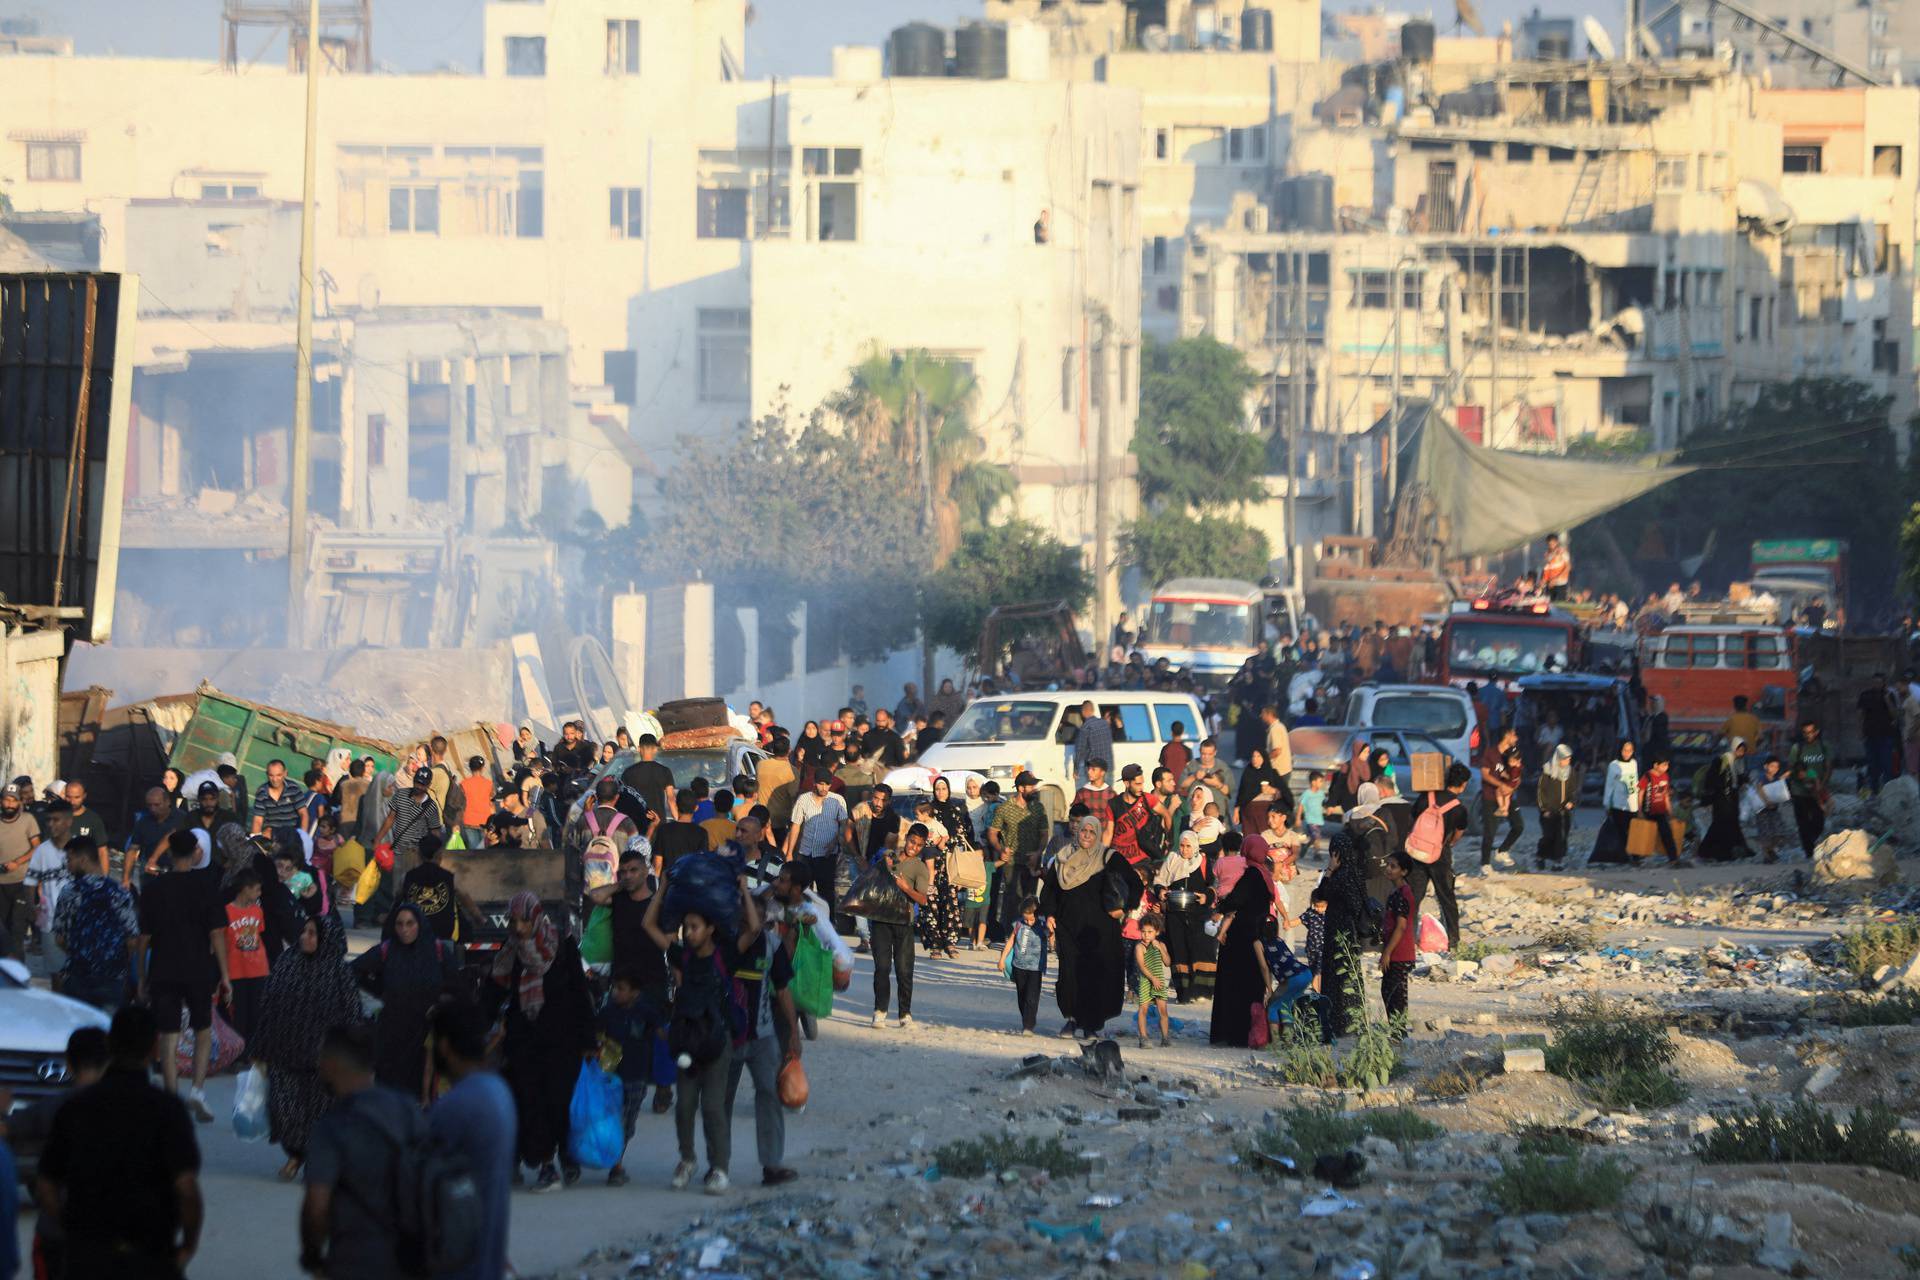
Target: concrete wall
{"type": "Point", "coordinates": [29, 703]}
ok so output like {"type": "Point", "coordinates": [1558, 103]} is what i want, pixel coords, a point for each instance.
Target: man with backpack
{"type": "Point", "coordinates": [1439, 820]}
{"type": "Point", "coordinates": [351, 1218]}
{"type": "Point", "coordinates": [476, 1121]}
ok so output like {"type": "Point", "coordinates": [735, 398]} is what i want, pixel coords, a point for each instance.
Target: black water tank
{"type": "Point", "coordinates": [1416, 41]}
{"type": "Point", "coordinates": [1554, 48]}
{"type": "Point", "coordinates": [980, 51]}
{"type": "Point", "coordinates": [917, 49]}
{"type": "Point", "coordinates": [1306, 202]}
{"type": "Point", "coordinates": [1256, 30]}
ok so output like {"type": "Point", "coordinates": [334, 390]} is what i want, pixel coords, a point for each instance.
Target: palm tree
{"type": "Point", "coordinates": [894, 403]}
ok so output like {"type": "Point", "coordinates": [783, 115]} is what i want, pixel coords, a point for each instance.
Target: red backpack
{"type": "Point", "coordinates": [1428, 839]}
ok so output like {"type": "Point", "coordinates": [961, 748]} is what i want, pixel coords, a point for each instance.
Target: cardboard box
{"type": "Point", "coordinates": [1643, 838]}
{"type": "Point", "coordinates": [1429, 770]}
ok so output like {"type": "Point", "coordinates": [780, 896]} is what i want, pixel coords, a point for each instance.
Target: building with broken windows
{"type": "Point", "coordinates": [705, 249]}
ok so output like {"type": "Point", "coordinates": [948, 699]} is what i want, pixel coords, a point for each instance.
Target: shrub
{"type": "Point", "coordinates": [1304, 1134]}
{"type": "Point", "coordinates": [1479, 950]}
{"type": "Point", "coordinates": [1303, 1059]}
{"type": "Point", "coordinates": [1371, 1061]}
{"type": "Point", "coordinates": [1620, 1056]}
{"type": "Point", "coordinates": [1894, 1009]}
{"type": "Point", "coordinates": [1866, 947]}
{"type": "Point", "coordinates": [1804, 1133]}
{"type": "Point", "coordinates": [1537, 1183]}
{"type": "Point", "coordinates": [976, 1156]}
{"type": "Point", "coordinates": [1567, 937]}
{"type": "Point", "coordinates": [1457, 1081]}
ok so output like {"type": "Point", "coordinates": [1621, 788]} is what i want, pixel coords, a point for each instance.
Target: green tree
{"type": "Point", "coordinates": [1172, 544]}
{"type": "Point", "coordinates": [1005, 564]}
{"type": "Point", "coordinates": [1192, 442]}
{"type": "Point", "coordinates": [1910, 553]}
{"type": "Point", "coordinates": [883, 403]}
{"type": "Point", "coordinates": [1814, 457]}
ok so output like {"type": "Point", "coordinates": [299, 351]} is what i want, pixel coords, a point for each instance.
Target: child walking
{"type": "Point", "coordinates": [1313, 808]}
{"type": "Point", "coordinates": [629, 1022]}
{"type": "Point", "coordinates": [1398, 952]}
{"type": "Point", "coordinates": [1024, 959]}
{"type": "Point", "coordinates": [1151, 959]}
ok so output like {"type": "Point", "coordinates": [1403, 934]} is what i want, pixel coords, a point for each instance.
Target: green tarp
{"type": "Point", "coordinates": [1491, 500]}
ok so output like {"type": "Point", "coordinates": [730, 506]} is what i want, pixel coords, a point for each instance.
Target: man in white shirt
{"type": "Point", "coordinates": [820, 824]}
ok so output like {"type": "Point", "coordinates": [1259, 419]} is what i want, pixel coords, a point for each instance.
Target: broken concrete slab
{"type": "Point", "coordinates": [1854, 856]}
{"type": "Point", "coordinates": [1523, 1061]}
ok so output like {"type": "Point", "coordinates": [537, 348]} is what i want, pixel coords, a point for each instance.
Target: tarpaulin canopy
{"type": "Point", "coordinates": [1491, 500]}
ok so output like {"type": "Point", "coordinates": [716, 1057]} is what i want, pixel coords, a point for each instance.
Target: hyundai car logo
{"type": "Point", "coordinates": [52, 1071]}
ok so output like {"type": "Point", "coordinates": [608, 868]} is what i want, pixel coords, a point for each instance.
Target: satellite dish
{"type": "Point", "coordinates": [1597, 38]}
{"type": "Point", "coordinates": [1469, 17]}
{"type": "Point", "coordinates": [1649, 43]}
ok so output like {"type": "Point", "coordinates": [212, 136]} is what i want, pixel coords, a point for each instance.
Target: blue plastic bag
{"type": "Point", "coordinates": [708, 883]}
{"type": "Point", "coordinates": [595, 1137]}
{"type": "Point", "coordinates": [250, 1105]}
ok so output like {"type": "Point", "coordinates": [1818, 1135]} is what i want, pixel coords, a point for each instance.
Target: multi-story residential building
{"type": "Point", "coordinates": [715, 247]}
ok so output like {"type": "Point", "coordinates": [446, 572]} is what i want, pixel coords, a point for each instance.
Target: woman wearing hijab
{"type": "Point", "coordinates": [1557, 794]}
{"type": "Point", "coordinates": [1380, 766]}
{"type": "Point", "coordinates": [810, 754]}
{"type": "Point", "coordinates": [1377, 836]}
{"type": "Point", "coordinates": [1207, 829]}
{"type": "Point", "coordinates": [309, 990]}
{"type": "Point", "coordinates": [608, 750]}
{"type": "Point", "coordinates": [1621, 798]}
{"type": "Point", "coordinates": [1340, 978]}
{"type": "Point", "coordinates": [1239, 989]}
{"type": "Point", "coordinates": [1084, 895]}
{"type": "Point", "coordinates": [1343, 789]}
{"type": "Point", "coordinates": [1193, 952]}
{"type": "Point", "coordinates": [411, 972]}
{"type": "Point", "coordinates": [171, 781]}
{"type": "Point", "coordinates": [538, 977]}
{"type": "Point", "coordinates": [1724, 840]}
{"type": "Point", "coordinates": [952, 813]}
{"type": "Point", "coordinates": [1247, 804]}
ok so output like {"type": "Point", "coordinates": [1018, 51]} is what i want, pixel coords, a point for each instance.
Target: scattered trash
{"type": "Point", "coordinates": [1276, 1164]}
{"type": "Point", "coordinates": [1362, 1270]}
{"type": "Point", "coordinates": [1089, 1231]}
{"type": "Point", "coordinates": [1326, 1204]}
{"type": "Point", "coordinates": [1104, 1201]}
{"type": "Point", "coordinates": [715, 1253]}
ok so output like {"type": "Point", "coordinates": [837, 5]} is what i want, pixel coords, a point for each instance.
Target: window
{"type": "Point", "coordinates": [1136, 725]}
{"type": "Point", "coordinates": [526, 55]}
{"type": "Point", "coordinates": [1162, 144]}
{"type": "Point", "coordinates": [1670, 173]}
{"type": "Point", "coordinates": [620, 370]}
{"type": "Point", "coordinates": [1166, 715]}
{"type": "Point", "coordinates": [1157, 255]}
{"type": "Point", "coordinates": [414, 210]}
{"type": "Point", "coordinates": [220, 238]}
{"type": "Point", "coordinates": [1068, 372]}
{"type": "Point", "coordinates": [1886, 162]}
{"type": "Point", "coordinates": [1739, 315]}
{"type": "Point", "coordinates": [53, 162]}
{"type": "Point", "coordinates": [1370, 291]}
{"type": "Point", "coordinates": [1800, 158]}
{"type": "Point", "coordinates": [229, 191]}
{"type": "Point", "coordinates": [1412, 289]}
{"type": "Point", "coordinates": [832, 177]}
{"type": "Point", "coordinates": [724, 337]}
{"type": "Point", "coordinates": [1167, 297]}
{"type": "Point", "coordinates": [623, 46]}
{"type": "Point", "coordinates": [624, 206]}
{"type": "Point", "coordinates": [722, 214]}
{"type": "Point", "coordinates": [1519, 153]}
{"type": "Point", "coordinates": [1753, 318]}
{"type": "Point", "coordinates": [1886, 352]}
{"type": "Point", "coordinates": [1248, 146]}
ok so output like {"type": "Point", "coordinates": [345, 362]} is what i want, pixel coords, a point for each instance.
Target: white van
{"type": "Point", "coordinates": [999, 737]}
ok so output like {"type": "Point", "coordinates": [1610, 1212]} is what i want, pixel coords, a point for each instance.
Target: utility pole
{"type": "Point", "coordinates": [1297, 413]}
{"type": "Point", "coordinates": [1102, 498]}
{"type": "Point", "coordinates": [926, 508]}
{"type": "Point", "coordinates": [1396, 280]}
{"type": "Point", "coordinates": [297, 477]}
{"type": "Point", "coordinates": [1493, 333]}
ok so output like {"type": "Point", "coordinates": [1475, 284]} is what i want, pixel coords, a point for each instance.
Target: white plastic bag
{"type": "Point", "coordinates": [250, 1105]}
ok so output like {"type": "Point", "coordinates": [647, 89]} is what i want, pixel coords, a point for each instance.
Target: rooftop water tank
{"type": "Point", "coordinates": [980, 51]}
{"type": "Point", "coordinates": [1256, 30]}
{"type": "Point", "coordinates": [917, 49]}
{"type": "Point", "coordinates": [1306, 202]}
{"type": "Point", "coordinates": [1416, 41]}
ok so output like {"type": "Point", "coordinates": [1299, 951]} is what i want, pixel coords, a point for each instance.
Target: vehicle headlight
{"type": "Point", "coordinates": [1002, 770]}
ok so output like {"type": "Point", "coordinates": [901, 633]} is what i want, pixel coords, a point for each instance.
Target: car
{"type": "Point", "coordinates": [34, 1026]}
{"type": "Point", "coordinates": [718, 765]}
{"type": "Point", "coordinates": [1328, 748]}
{"type": "Point", "coordinates": [1439, 711]}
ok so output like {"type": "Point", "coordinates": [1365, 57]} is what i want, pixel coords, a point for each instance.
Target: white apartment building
{"type": "Point", "coordinates": [714, 247]}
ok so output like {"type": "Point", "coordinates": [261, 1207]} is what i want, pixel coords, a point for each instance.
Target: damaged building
{"type": "Point", "coordinates": [448, 449]}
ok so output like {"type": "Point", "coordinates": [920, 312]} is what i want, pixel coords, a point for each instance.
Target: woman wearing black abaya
{"type": "Point", "coordinates": [811, 755]}
{"type": "Point", "coordinates": [310, 989]}
{"type": "Point", "coordinates": [410, 972]}
{"type": "Point", "coordinates": [1724, 840]}
{"type": "Point", "coordinates": [1340, 980]}
{"type": "Point", "coordinates": [1238, 987]}
{"type": "Point", "coordinates": [1249, 812]}
{"type": "Point", "coordinates": [1193, 952]}
{"type": "Point", "coordinates": [953, 814]}
{"type": "Point", "coordinates": [540, 982]}
{"type": "Point", "coordinates": [1083, 895]}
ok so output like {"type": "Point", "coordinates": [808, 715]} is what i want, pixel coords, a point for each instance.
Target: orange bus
{"type": "Point", "coordinates": [1698, 668]}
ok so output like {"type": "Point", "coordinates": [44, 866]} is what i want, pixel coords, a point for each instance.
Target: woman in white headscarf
{"type": "Point", "coordinates": [1375, 837]}
{"type": "Point", "coordinates": [1724, 840]}
{"type": "Point", "coordinates": [1185, 871]}
{"type": "Point", "coordinates": [1557, 794]}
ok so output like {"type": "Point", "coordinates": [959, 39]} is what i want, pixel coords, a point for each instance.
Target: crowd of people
{"type": "Point", "coordinates": [229, 915]}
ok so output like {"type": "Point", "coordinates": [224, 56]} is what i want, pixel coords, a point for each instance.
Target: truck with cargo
{"type": "Point", "coordinates": [1803, 572]}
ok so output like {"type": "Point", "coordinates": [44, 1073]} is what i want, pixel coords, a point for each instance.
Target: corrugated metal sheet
{"type": "Point", "coordinates": [45, 324]}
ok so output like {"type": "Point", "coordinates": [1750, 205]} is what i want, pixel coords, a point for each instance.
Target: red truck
{"type": "Point", "coordinates": [1483, 641]}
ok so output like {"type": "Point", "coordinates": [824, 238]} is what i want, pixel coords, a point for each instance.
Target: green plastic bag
{"type": "Point", "coordinates": [596, 944]}
{"type": "Point", "coordinates": [456, 839]}
{"type": "Point", "coordinates": [812, 975]}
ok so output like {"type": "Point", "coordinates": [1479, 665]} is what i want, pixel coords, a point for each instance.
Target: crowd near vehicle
{"type": "Point", "coordinates": [999, 737]}
{"type": "Point", "coordinates": [34, 1026]}
{"type": "Point", "coordinates": [1698, 670]}
{"type": "Point", "coordinates": [1323, 749]}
